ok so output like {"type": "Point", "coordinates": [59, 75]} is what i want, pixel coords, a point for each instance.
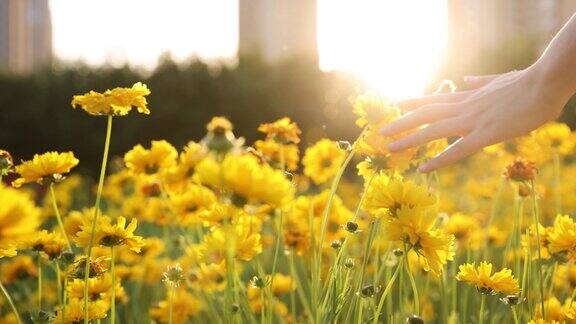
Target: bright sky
{"type": "Point", "coordinates": [393, 45]}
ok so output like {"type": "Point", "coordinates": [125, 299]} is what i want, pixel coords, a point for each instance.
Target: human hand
{"type": "Point", "coordinates": [495, 109]}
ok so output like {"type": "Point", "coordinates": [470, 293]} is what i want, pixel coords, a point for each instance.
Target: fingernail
{"type": "Point", "coordinates": [423, 168]}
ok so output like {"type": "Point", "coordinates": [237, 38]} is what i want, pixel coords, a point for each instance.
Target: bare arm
{"type": "Point", "coordinates": [497, 108]}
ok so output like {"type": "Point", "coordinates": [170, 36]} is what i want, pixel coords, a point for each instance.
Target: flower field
{"type": "Point", "coordinates": [340, 231]}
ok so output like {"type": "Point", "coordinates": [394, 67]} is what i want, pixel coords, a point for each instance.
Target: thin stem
{"type": "Point", "coordinates": [96, 212]}
{"type": "Point", "coordinates": [539, 263]}
{"type": "Point", "coordinates": [171, 304]}
{"type": "Point", "coordinates": [39, 282]}
{"type": "Point", "coordinates": [64, 294]}
{"type": "Point", "coordinates": [113, 273]}
{"type": "Point", "coordinates": [387, 290]}
{"type": "Point", "coordinates": [360, 311]}
{"type": "Point", "coordinates": [481, 313]}
{"type": "Point", "coordinates": [413, 284]}
{"type": "Point", "coordinates": [515, 315]}
{"type": "Point", "coordinates": [58, 217]}
{"type": "Point", "coordinates": [10, 302]}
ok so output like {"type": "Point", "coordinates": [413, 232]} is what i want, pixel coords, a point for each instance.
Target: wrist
{"type": "Point", "coordinates": [551, 82]}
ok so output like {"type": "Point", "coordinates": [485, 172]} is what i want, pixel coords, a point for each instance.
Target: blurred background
{"type": "Point", "coordinates": [250, 60]}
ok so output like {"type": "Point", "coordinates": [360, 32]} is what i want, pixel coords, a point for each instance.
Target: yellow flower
{"type": "Point", "coordinates": [50, 164]}
{"type": "Point", "coordinates": [272, 151]}
{"type": "Point", "coordinates": [548, 140]}
{"type": "Point", "coordinates": [467, 230]}
{"type": "Point", "coordinates": [237, 239]}
{"type": "Point", "coordinates": [210, 277]}
{"type": "Point", "coordinates": [98, 288]}
{"type": "Point", "coordinates": [530, 241]}
{"type": "Point", "coordinates": [116, 102]}
{"type": "Point", "coordinates": [75, 311]}
{"type": "Point", "coordinates": [385, 195]}
{"type": "Point", "coordinates": [50, 243]}
{"type": "Point", "coordinates": [283, 131]}
{"type": "Point", "coordinates": [108, 234]}
{"type": "Point", "coordinates": [372, 108]}
{"type": "Point", "coordinates": [501, 282]}
{"type": "Point", "coordinates": [414, 226]}
{"type": "Point", "coordinates": [190, 205]}
{"type": "Point", "coordinates": [161, 156]}
{"type": "Point", "coordinates": [282, 284]}
{"type": "Point", "coordinates": [184, 306]}
{"type": "Point", "coordinates": [322, 160]}
{"type": "Point", "coordinates": [246, 179]}
{"type": "Point", "coordinates": [218, 214]}
{"type": "Point", "coordinates": [18, 269]}
{"type": "Point", "coordinates": [19, 219]}
{"type": "Point", "coordinates": [555, 311]}
{"type": "Point", "coordinates": [374, 145]}
{"type": "Point", "coordinates": [219, 125]}
{"type": "Point", "coordinates": [562, 237]}
{"type": "Point", "coordinates": [297, 220]}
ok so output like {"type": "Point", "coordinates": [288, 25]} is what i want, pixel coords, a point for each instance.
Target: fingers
{"type": "Point", "coordinates": [475, 81]}
{"type": "Point", "coordinates": [424, 115]}
{"type": "Point", "coordinates": [441, 129]}
{"type": "Point", "coordinates": [478, 81]}
{"type": "Point", "coordinates": [458, 150]}
{"type": "Point", "coordinates": [414, 103]}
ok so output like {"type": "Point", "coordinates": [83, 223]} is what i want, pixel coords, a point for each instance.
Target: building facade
{"type": "Point", "coordinates": [25, 35]}
{"type": "Point", "coordinates": [278, 29]}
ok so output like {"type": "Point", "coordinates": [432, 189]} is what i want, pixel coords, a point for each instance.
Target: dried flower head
{"type": "Point", "coordinates": [521, 171]}
{"type": "Point", "coordinates": [174, 275]}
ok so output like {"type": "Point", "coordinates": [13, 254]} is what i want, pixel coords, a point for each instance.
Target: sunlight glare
{"type": "Point", "coordinates": [392, 46]}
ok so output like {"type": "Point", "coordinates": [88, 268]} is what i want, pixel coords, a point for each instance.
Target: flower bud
{"type": "Point", "coordinates": [67, 257]}
{"type": "Point", "coordinates": [398, 252]}
{"type": "Point", "coordinates": [336, 245]}
{"type": "Point", "coordinates": [352, 227]}
{"type": "Point", "coordinates": [367, 291]}
{"type": "Point", "coordinates": [414, 319]}
{"type": "Point", "coordinates": [344, 145]}
{"type": "Point", "coordinates": [349, 263]}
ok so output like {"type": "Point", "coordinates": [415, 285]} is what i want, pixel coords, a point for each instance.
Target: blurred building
{"type": "Point", "coordinates": [477, 27]}
{"type": "Point", "coordinates": [25, 35]}
{"type": "Point", "coordinates": [277, 29]}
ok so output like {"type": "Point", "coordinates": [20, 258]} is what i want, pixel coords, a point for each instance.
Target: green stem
{"type": "Point", "coordinates": [11, 303]}
{"type": "Point", "coordinates": [556, 184]}
{"type": "Point", "coordinates": [387, 290]}
{"type": "Point", "coordinates": [64, 294]}
{"type": "Point", "coordinates": [515, 315]}
{"type": "Point", "coordinates": [413, 284]}
{"type": "Point", "coordinates": [481, 313]}
{"type": "Point", "coordinates": [326, 212]}
{"type": "Point", "coordinates": [58, 217]}
{"type": "Point", "coordinates": [171, 304]}
{"type": "Point", "coordinates": [113, 273]}
{"type": "Point", "coordinates": [39, 282]}
{"type": "Point", "coordinates": [539, 263]}
{"type": "Point", "coordinates": [292, 291]}
{"type": "Point", "coordinates": [96, 211]}
{"type": "Point", "coordinates": [360, 311]}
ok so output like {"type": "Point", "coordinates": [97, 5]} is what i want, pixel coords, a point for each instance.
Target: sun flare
{"type": "Point", "coordinates": [393, 46]}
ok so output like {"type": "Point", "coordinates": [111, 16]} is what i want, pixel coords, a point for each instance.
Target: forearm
{"type": "Point", "coordinates": [556, 68]}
